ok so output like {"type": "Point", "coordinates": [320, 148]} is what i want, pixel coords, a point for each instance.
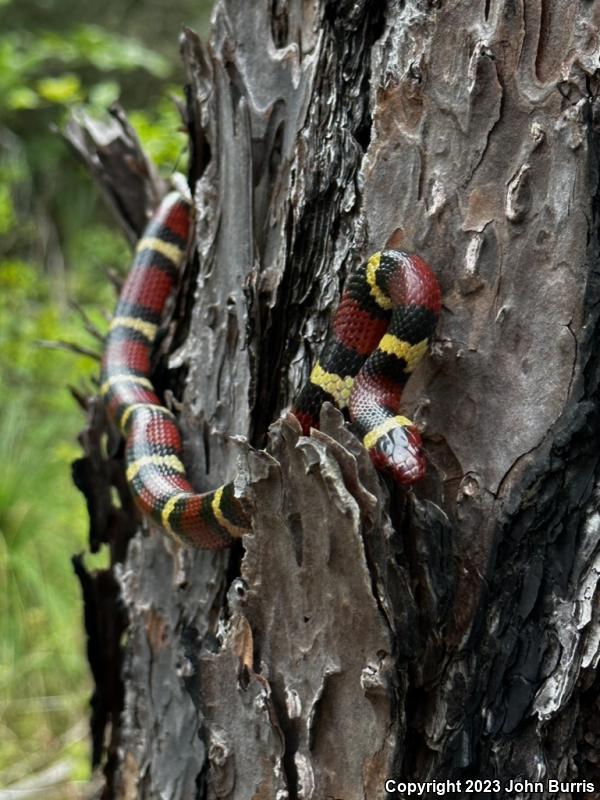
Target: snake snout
{"type": "Point", "coordinates": [399, 452]}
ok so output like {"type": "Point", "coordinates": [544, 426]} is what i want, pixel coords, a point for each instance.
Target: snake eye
{"type": "Point", "coordinates": [399, 452]}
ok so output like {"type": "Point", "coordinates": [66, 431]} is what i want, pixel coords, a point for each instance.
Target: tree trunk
{"type": "Point", "coordinates": [365, 633]}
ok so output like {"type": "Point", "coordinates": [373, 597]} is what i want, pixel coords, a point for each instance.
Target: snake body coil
{"type": "Point", "coordinates": [380, 331]}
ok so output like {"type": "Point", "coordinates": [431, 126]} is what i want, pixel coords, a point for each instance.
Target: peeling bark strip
{"type": "Point", "coordinates": [322, 654]}
{"type": "Point", "coordinates": [462, 638]}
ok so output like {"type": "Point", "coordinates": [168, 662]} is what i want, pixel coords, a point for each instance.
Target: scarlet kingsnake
{"type": "Point", "coordinates": [380, 331]}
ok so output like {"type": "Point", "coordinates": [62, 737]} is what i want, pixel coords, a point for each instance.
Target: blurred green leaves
{"type": "Point", "coordinates": [57, 244]}
{"type": "Point", "coordinates": [65, 89]}
{"type": "Point", "coordinates": [7, 211]}
{"type": "Point", "coordinates": [161, 133]}
{"type": "Point", "coordinates": [26, 55]}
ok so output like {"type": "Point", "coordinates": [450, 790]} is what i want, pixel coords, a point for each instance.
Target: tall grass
{"type": "Point", "coordinates": [44, 685]}
{"type": "Point", "coordinates": [43, 681]}
{"type": "Point", "coordinates": [55, 245]}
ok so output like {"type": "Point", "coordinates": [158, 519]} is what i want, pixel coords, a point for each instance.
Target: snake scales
{"type": "Point", "coordinates": [380, 331]}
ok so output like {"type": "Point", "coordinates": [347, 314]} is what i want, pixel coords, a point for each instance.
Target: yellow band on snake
{"type": "Point", "coordinates": [170, 251]}
{"type": "Point", "coordinates": [156, 461]}
{"type": "Point", "coordinates": [338, 386]}
{"type": "Point", "coordinates": [392, 422]}
{"type": "Point", "coordinates": [233, 530]}
{"type": "Point", "coordinates": [411, 353]}
{"type": "Point", "coordinates": [380, 297]}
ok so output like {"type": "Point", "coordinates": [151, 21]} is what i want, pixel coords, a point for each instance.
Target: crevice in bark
{"type": "Point", "coordinates": [349, 45]}
{"type": "Point", "coordinates": [279, 23]}
{"type": "Point", "coordinates": [480, 617]}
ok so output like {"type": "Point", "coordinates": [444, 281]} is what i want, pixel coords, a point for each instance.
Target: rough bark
{"type": "Point", "coordinates": [365, 632]}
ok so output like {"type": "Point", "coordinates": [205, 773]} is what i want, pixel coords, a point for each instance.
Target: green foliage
{"type": "Point", "coordinates": [7, 211]}
{"type": "Point", "coordinates": [38, 68]}
{"type": "Point", "coordinates": [56, 245]}
{"type": "Point", "coordinates": [160, 132]}
{"type": "Point", "coordinates": [41, 523]}
{"type": "Point", "coordinates": [44, 685]}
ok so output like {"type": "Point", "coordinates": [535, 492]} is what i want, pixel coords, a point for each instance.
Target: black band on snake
{"type": "Point", "coordinates": [379, 332]}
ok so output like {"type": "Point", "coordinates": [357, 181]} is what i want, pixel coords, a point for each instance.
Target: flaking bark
{"type": "Point", "coordinates": [364, 632]}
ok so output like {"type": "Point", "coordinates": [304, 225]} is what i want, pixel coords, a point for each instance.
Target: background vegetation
{"type": "Point", "coordinates": [56, 245]}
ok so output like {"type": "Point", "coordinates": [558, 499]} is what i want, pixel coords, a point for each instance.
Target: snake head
{"type": "Point", "coordinates": [398, 451]}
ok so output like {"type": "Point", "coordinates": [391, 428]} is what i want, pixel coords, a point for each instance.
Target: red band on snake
{"type": "Point", "coordinates": [380, 331]}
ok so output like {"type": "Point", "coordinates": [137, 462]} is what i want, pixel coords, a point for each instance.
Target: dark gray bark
{"type": "Point", "coordinates": [364, 632]}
